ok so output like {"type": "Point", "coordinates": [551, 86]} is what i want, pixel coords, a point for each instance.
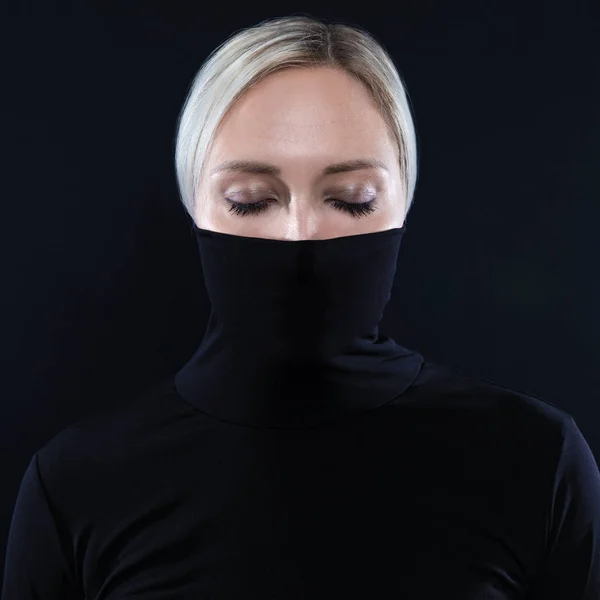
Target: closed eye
{"type": "Point", "coordinates": [355, 209]}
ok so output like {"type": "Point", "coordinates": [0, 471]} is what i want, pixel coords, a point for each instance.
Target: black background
{"type": "Point", "coordinates": [102, 291]}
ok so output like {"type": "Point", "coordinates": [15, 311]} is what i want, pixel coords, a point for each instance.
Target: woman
{"type": "Point", "coordinates": [300, 453]}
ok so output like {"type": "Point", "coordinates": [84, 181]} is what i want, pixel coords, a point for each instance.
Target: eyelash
{"type": "Point", "coordinates": [356, 210]}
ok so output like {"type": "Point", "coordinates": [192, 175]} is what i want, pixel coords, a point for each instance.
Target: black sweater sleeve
{"type": "Point", "coordinates": [37, 564]}
{"type": "Point", "coordinates": [572, 569]}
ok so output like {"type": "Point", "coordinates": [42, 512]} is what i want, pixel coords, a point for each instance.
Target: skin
{"type": "Point", "coordinates": [301, 121]}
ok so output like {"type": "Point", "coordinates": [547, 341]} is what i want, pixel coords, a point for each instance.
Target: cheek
{"type": "Point", "coordinates": [390, 214]}
{"type": "Point", "coordinates": [395, 206]}
{"type": "Point", "coordinates": [216, 217]}
{"type": "Point", "coordinates": [204, 213]}
{"type": "Point", "coordinates": [205, 216]}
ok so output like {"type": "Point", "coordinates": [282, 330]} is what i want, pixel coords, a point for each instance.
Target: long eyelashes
{"type": "Point", "coordinates": [354, 209]}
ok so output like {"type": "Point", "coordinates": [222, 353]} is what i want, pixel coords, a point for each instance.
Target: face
{"type": "Point", "coordinates": [298, 124]}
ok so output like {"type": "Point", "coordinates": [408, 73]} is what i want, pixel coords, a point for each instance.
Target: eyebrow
{"type": "Point", "coordinates": [252, 166]}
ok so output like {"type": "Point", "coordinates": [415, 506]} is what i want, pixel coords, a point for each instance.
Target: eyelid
{"type": "Point", "coordinates": [249, 195]}
{"type": "Point", "coordinates": [344, 195]}
{"type": "Point", "coordinates": [363, 189]}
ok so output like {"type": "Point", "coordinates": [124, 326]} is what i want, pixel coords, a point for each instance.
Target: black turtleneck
{"type": "Point", "coordinates": [300, 454]}
{"type": "Point", "coordinates": [293, 335]}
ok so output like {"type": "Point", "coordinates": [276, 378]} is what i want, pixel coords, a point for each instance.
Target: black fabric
{"type": "Point", "coordinates": [293, 334]}
{"type": "Point", "coordinates": [300, 454]}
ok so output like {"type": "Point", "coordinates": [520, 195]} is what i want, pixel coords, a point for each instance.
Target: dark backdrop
{"type": "Point", "coordinates": [102, 290]}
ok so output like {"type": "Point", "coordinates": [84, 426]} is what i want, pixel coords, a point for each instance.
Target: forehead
{"type": "Point", "coordinates": [296, 111]}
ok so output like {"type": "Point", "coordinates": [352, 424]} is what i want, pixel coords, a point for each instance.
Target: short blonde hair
{"type": "Point", "coordinates": [251, 54]}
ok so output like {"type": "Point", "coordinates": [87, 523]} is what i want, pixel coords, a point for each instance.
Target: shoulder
{"type": "Point", "coordinates": [500, 409]}
{"type": "Point", "coordinates": [91, 448]}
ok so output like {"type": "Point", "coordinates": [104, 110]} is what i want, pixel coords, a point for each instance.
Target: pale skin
{"type": "Point", "coordinates": [300, 121]}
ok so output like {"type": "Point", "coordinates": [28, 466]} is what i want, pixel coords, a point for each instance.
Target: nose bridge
{"type": "Point", "coordinates": [302, 218]}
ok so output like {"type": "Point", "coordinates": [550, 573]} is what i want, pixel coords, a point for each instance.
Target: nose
{"type": "Point", "coordinates": [302, 222]}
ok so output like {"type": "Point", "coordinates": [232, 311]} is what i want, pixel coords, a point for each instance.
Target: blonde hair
{"type": "Point", "coordinates": [251, 54]}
